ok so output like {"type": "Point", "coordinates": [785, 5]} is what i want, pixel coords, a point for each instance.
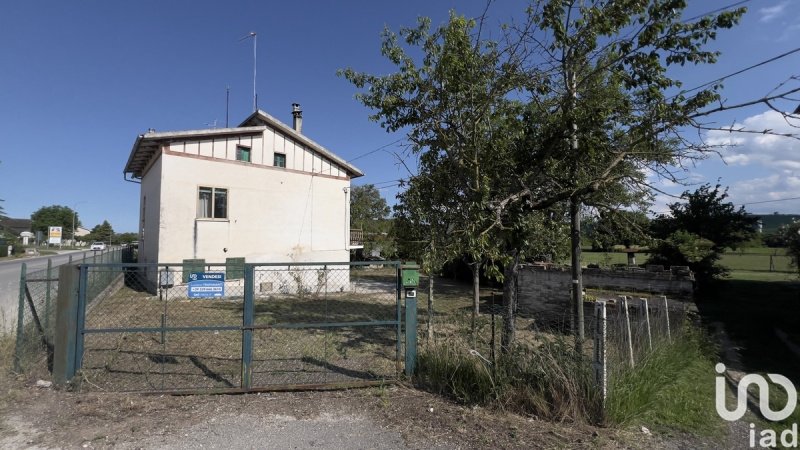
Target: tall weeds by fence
{"type": "Point", "coordinates": [543, 374]}
{"type": "Point", "coordinates": [34, 326]}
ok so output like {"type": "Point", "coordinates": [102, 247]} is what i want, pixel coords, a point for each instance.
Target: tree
{"type": "Point", "coordinates": [573, 106]}
{"type": "Point", "coordinates": [54, 216]}
{"type": "Point", "coordinates": [791, 235]}
{"type": "Point", "coordinates": [454, 102]}
{"type": "Point", "coordinates": [369, 212]}
{"type": "Point", "coordinates": [102, 232]}
{"type": "Point", "coordinates": [696, 232]}
{"type": "Point", "coordinates": [618, 227]}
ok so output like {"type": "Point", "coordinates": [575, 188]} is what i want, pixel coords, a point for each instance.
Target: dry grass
{"type": "Point", "coordinates": [142, 351]}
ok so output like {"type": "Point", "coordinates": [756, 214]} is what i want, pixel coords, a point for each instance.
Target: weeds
{"type": "Point", "coordinates": [671, 387]}
{"type": "Point", "coordinates": [549, 381]}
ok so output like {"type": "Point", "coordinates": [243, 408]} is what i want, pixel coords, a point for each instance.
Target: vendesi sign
{"type": "Point", "coordinates": [206, 284]}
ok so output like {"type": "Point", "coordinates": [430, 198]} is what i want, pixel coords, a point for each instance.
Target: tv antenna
{"type": "Point", "coordinates": [253, 35]}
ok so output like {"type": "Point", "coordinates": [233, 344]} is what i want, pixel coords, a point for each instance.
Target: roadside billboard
{"type": "Point", "coordinates": [54, 235]}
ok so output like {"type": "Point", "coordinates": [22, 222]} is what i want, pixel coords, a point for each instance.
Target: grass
{"type": "Point", "coordinates": [549, 381]}
{"type": "Point", "coordinates": [755, 259]}
{"type": "Point", "coordinates": [672, 388]}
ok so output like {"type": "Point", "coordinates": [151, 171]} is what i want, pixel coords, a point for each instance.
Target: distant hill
{"type": "Point", "coordinates": [771, 222]}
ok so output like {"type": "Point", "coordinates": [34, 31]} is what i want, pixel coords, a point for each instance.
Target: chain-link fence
{"type": "Point", "coordinates": [36, 308]}
{"type": "Point", "coordinates": [208, 327]}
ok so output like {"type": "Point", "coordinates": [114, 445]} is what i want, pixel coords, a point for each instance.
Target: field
{"type": "Point", "coordinates": [755, 259]}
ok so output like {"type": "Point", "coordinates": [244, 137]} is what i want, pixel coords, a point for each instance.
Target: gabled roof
{"type": "Point", "coordinates": [263, 119]}
{"type": "Point", "coordinates": [146, 145]}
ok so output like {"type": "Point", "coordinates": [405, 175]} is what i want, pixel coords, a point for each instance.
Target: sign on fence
{"type": "Point", "coordinates": [206, 284]}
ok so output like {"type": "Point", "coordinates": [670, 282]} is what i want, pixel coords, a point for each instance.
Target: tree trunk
{"type": "Point", "coordinates": [577, 282]}
{"type": "Point", "coordinates": [430, 306]}
{"type": "Point", "coordinates": [509, 304]}
{"type": "Point", "coordinates": [476, 299]}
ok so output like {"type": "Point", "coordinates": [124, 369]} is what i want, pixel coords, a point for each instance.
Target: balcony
{"type": "Point", "coordinates": [356, 239]}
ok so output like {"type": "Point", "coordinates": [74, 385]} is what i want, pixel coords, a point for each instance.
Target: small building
{"type": "Point", "coordinates": [262, 191]}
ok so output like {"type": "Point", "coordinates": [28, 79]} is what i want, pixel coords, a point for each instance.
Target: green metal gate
{"type": "Point", "coordinates": [281, 326]}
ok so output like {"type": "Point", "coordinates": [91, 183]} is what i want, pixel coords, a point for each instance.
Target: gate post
{"type": "Point", "coordinates": [247, 327]}
{"type": "Point", "coordinates": [66, 328]}
{"type": "Point", "coordinates": [409, 274]}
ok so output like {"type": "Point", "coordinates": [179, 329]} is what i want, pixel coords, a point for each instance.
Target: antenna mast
{"type": "Point", "coordinates": [253, 35]}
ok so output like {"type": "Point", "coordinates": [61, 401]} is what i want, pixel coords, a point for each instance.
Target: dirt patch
{"type": "Point", "coordinates": [395, 417]}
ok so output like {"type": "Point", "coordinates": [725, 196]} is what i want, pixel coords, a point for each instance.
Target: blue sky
{"type": "Point", "coordinates": [80, 80]}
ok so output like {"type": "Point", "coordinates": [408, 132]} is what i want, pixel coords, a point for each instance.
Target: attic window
{"type": "Point", "coordinates": [242, 153]}
{"type": "Point", "coordinates": [280, 160]}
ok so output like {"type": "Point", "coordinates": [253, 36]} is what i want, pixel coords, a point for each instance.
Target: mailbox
{"type": "Point", "coordinates": [409, 274]}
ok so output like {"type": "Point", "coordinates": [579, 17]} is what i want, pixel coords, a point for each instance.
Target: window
{"type": "Point", "coordinates": [242, 153]}
{"type": "Point", "coordinates": [212, 203]}
{"type": "Point", "coordinates": [280, 160]}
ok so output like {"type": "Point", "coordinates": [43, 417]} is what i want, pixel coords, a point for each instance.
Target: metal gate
{"type": "Point", "coordinates": [196, 327]}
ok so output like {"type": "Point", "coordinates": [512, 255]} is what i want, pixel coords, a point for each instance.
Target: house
{"type": "Point", "coordinates": [262, 191]}
{"type": "Point", "coordinates": [15, 226]}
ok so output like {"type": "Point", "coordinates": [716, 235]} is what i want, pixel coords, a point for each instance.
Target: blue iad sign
{"type": "Point", "coordinates": [206, 284]}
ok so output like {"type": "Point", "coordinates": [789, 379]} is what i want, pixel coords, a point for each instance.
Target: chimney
{"type": "Point", "coordinates": [297, 117]}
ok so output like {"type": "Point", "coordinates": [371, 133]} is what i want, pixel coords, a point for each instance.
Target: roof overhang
{"type": "Point", "coordinates": [148, 144]}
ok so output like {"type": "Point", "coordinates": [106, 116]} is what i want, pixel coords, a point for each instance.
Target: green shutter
{"type": "Point", "coordinates": [234, 268]}
{"type": "Point", "coordinates": [192, 265]}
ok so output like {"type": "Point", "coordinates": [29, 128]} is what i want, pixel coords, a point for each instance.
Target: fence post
{"type": "Point", "coordinates": [666, 315]}
{"type": "Point", "coordinates": [47, 296]}
{"type": "Point", "coordinates": [645, 311]}
{"type": "Point", "coordinates": [247, 327]}
{"type": "Point", "coordinates": [83, 289]}
{"type": "Point", "coordinates": [600, 360]}
{"type": "Point", "coordinates": [66, 326]}
{"type": "Point", "coordinates": [20, 318]}
{"type": "Point", "coordinates": [627, 325]}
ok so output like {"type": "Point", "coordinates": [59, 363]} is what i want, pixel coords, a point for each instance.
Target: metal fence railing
{"type": "Point", "coordinates": [36, 308]}
{"type": "Point", "coordinates": [216, 327]}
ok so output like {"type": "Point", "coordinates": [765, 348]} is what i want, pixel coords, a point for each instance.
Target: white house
{"type": "Point", "coordinates": [262, 191]}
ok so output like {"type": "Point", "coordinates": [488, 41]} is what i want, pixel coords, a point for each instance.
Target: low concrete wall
{"type": "Point", "coordinates": [544, 290]}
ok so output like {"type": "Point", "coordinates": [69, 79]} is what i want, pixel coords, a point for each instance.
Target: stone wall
{"type": "Point", "coordinates": [544, 290]}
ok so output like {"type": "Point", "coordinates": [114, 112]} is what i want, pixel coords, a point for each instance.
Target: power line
{"type": "Point", "coordinates": [733, 5]}
{"type": "Point", "coordinates": [771, 201]}
{"type": "Point", "coordinates": [373, 151]}
{"type": "Point", "coordinates": [738, 72]}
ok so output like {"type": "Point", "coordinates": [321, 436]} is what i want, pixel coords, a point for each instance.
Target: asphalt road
{"type": "Point", "coordinates": [9, 281]}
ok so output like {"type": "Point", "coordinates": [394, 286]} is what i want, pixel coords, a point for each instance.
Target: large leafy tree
{"type": "Point", "coordinates": [698, 230]}
{"type": "Point", "coordinates": [454, 103]}
{"type": "Point", "coordinates": [572, 106]}
{"type": "Point", "coordinates": [54, 216]}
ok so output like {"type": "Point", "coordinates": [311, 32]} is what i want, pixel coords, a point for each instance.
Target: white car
{"type": "Point", "coordinates": [98, 246]}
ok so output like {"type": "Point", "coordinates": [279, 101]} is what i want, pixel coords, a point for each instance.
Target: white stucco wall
{"type": "Point", "coordinates": [149, 206]}
{"type": "Point", "coordinates": [274, 215]}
